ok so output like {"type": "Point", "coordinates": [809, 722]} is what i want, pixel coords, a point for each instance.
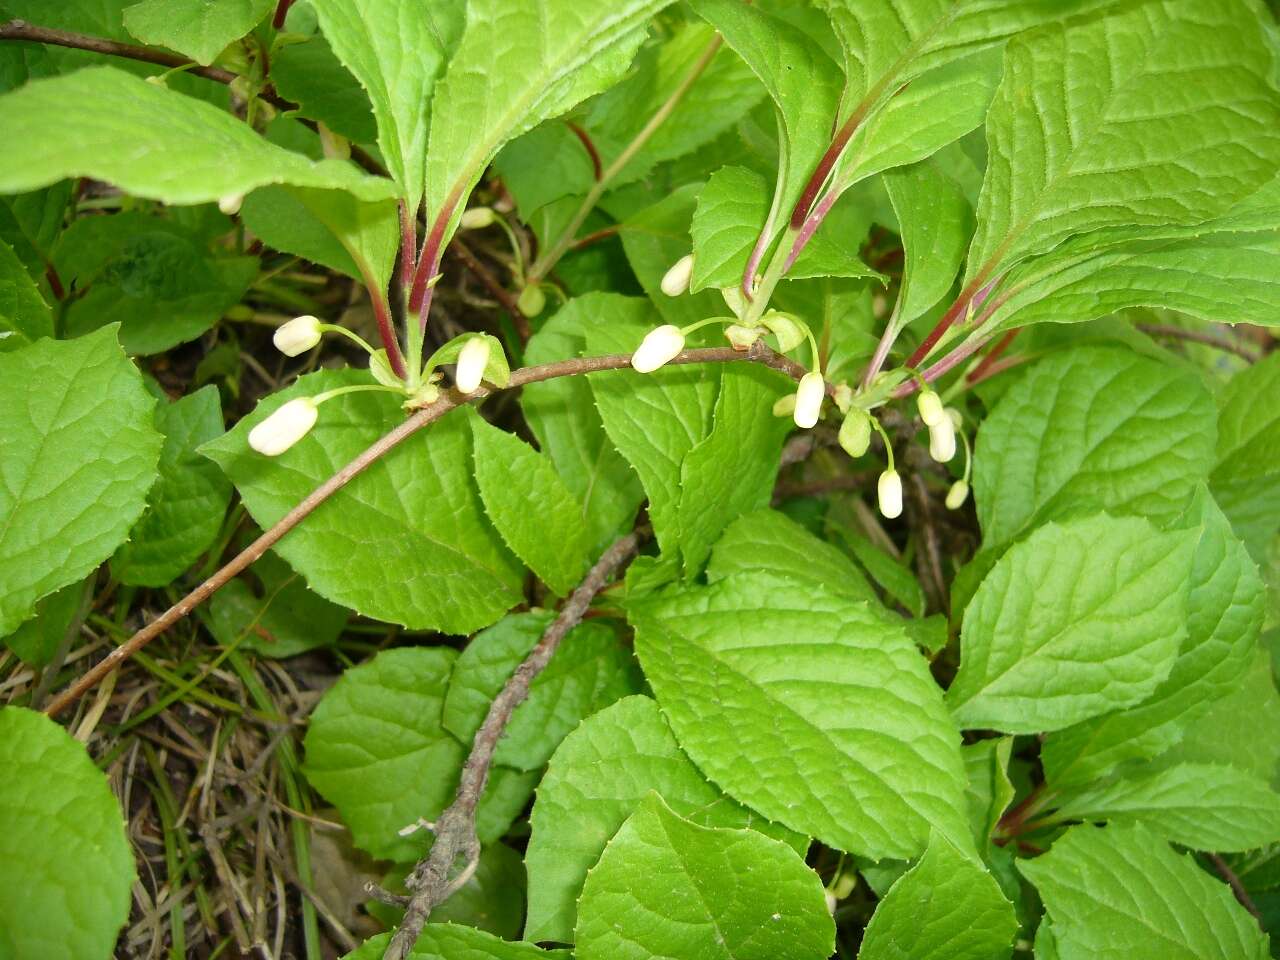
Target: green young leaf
{"type": "Point", "coordinates": [935, 222]}
{"type": "Point", "coordinates": [666, 887]}
{"type": "Point", "coordinates": [653, 419]}
{"type": "Point", "coordinates": [311, 75]}
{"type": "Point", "coordinates": [515, 66]}
{"type": "Point", "coordinates": [275, 617]}
{"type": "Point", "coordinates": [528, 503]}
{"type": "Point", "coordinates": [154, 277]}
{"type": "Point", "coordinates": [418, 511]}
{"type": "Point", "coordinates": [733, 470]}
{"type": "Point", "coordinates": [888, 573]}
{"type": "Point", "coordinates": [31, 222]}
{"type": "Point", "coordinates": [377, 750]}
{"type": "Point", "coordinates": [596, 779]}
{"type": "Point", "coordinates": [801, 79]}
{"type": "Point", "coordinates": [1246, 476]}
{"type": "Point", "coordinates": [151, 142]}
{"type": "Point", "coordinates": [195, 28]}
{"type": "Point", "coordinates": [1202, 806]}
{"type": "Point", "coordinates": [770, 542]}
{"type": "Point", "coordinates": [187, 503]}
{"type": "Point", "coordinates": [37, 641]}
{"type": "Point", "coordinates": [1114, 894]}
{"type": "Point", "coordinates": [947, 907]}
{"type": "Point", "coordinates": [589, 671]}
{"type": "Point", "coordinates": [65, 864]}
{"type": "Point", "coordinates": [814, 709]}
{"type": "Point", "coordinates": [80, 455]}
{"type": "Point", "coordinates": [1081, 618]}
{"type": "Point", "coordinates": [1087, 429]}
{"type": "Point", "coordinates": [563, 417]}
{"type": "Point", "coordinates": [397, 53]}
{"type": "Point", "coordinates": [447, 941]}
{"type": "Point", "coordinates": [1083, 134]}
{"type": "Point", "coordinates": [1224, 621]}
{"type": "Point", "coordinates": [990, 790]}
{"type": "Point", "coordinates": [24, 316]}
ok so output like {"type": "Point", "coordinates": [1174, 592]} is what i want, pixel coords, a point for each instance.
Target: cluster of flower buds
{"type": "Point", "coordinates": [941, 423]}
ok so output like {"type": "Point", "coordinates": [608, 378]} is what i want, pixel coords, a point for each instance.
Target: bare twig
{"type": "Point", "coordinates": [1198, 336]}
{"type": "Point", "coordinates": [431, 882]}
{"type": "Point", "coordinates": [1237, 887]}
{"type": "Point", "coordinates": [759, 353]}
{"type": "Point", "coordinates": [495, 288]}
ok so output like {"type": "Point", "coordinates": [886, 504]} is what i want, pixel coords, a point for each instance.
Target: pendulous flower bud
{"type": "Point", "coordinates": [809, 396]}
{"type": "Point", "coordinates": [289, 424]}
{"type": "Point", "coordinates": [659, 347]}
{"type": "Point", "coordinates": [942, 440]}
{"type": "Point", "coordinates": [855, 433]}
{"type": "Point", "coordinates": [230, 204]}
{"type": "Point", "coordinates": [930, 406]}
{"type": "Point", "coordinates": [472, 360]}
{"type": "Point", "coordinates": [957, 495]}
{"type": "Point", "coordinates": [676, 280]}
{"type": "Point", "coordinates": [889, 494]}
{"type": "Point", "coordinates": [531, 300]}
{"type": "Point", "coordinates": [297, 336]}
{"type": "Point", "coordinates": [477, 218]}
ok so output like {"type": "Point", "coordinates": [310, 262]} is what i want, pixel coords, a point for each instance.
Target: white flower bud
{"type": "Point", "coordinates": [477, 218]}
{"type": "Point", "coordinates": [957, 495]}
{"type": "Point", "coordinates": [809, 396]}
{"type": "Point", "coordinates": [930, 406]}
{"type": "Point", "coordinates": [855, 433]}
{"type": "Point", "coordinates": [230, 204]}
{"type": "Point", "coordinates": [676, 280]}
{"type": "Point", "coordinates": [531, 300]}
{"type": "Point", "coordinates": [472, 360]}
{"type": "Point", "coordinates": [297, 336]}
{"type": "Point", "coordinates": [785, 406]}
{"type": "Point", "coordinates": [660, 346]}
{"type": "Point", "coordinates": [289, 424]}
{"type": "Point", "coordinates": [942, 440]}
{"type": "Point", "coordinates": [889, 494]}
{"type": "Point", "coordinates": [957, 418]}
{"type": "Point", "coordinates": [742, 337]}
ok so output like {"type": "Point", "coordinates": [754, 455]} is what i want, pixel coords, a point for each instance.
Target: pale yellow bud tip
{"type": "Point", "coordinates": [472, 361]}
{"type": "Point", "coordinates": [660, 346]}
{"type": "Point", "coordinates": [230, 204]}
{"type": "Point", "coordinates": [676, 280]}
{"type": "Point", "coordinates": [297, 336]}
{"type": "Point", "coordinates": [957, 495]}
{"type": "Point", "coordinates": [889, 494]}
{"type": "Point", "coordinates": [280, 431]}
{"type": "Point", "coordinates": [930, 406]}
{"type": "Point", "coordinates": [477, 218]}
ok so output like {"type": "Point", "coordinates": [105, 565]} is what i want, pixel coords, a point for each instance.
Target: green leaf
{"type": "Point", "coordinates": [653, 419]}
{"type": "Point", "coordinates": [194, 28]}
{"type": "Point", "coordinates": [946, 907]}
{"type": "Point", "coordinates": [770, 542]}
{"type": "Point", "coordinates": [276, 616]}
{"type": "Point", "coordinates": [524, 497]}
{"type": "Point", "coordinates": [596, 779]}
{"type": "Point", "coordinates": [1122, 893]}
{"type": "Point", "coordinates": [187, 503]}
{"type": "Point", "coordinates": [1202, 806]}
{"type": "Point", "coordinates": [803, 82]}
{"type": "Point", "coordinates": [563, 417]}
{"type": "Point", "coordinates": [24, 316]}
{"type": "Point", "coordinates": [377, 750]}
{"type": "Point", "coordinates": [1087, 429]}
{"type": "Point", "coordinates": [1224, 621]}
{"type": "Point", "coordinates": [935, 222]}
{"type": "Point", "coordinates": [417, 510]}
{"type": "Point", "coordinates": [814, 709]}
{"type": "Point", "coordinates": [515, 66]}
{"type": "Point", "coordinates": [589, 671]}
{"type": "Point", "coordinates": [37, 641]}
{"type": "Point", "coordinates": [31, 222]}
{"type": "Point", "coordinates": [397, 52]}
{"type": "Point", "coordinates": [311, 75]}
{"type": "Point", "coordinates": [889, 573]}
{"type": "Point", "coordinates": [150, 142]}
{"type": "Point", "coordinates": [154, 277]}
{"type": "Point", "coordinates": [447, 941]}
{"type": "Point", "coordinates": [733, 470]}
{"type": "Point", "coordinates": [1246, 476]}
{"type": "Point", "coordinates": [79, 453]}
{"type": "Point", "coordinates": [65, 864]}
{"type": "Point", "coordinates": [1083, 134]}
{"type": "Point", "coordinates": [1081, 618]}
{"type": "Point", "coordinates": [990, 790]}
{"type": "Point", "coordinates": [668, 887]}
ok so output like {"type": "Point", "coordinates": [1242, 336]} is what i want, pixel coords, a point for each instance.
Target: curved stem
{"type": "Point", "coordinates": [758, 353]}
